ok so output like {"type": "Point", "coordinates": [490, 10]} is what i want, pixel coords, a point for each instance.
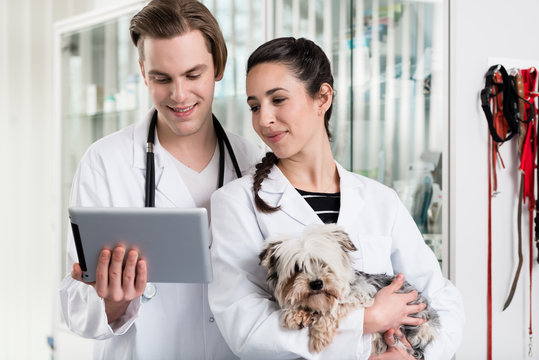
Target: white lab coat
{"type": "Point", "coordinates": [177, 323]}
{"type": "Point", "coordinates": [385, 235]}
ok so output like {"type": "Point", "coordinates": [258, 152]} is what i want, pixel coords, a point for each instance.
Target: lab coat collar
{"type": "Point", "coordinates": [167, 179]}
{"type": "Point", "coordinates": [277, 191]}
{"type": "Point", "coordinates": [351, 199]}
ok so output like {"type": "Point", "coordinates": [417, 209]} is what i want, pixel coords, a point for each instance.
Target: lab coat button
{"type": "Point", "coordinates": [212, 319]}
{"type": "Point", "coordinates": [149, 292]}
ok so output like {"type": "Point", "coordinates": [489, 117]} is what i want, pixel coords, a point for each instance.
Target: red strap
{"type": "Point", "coordinates": [499, 120]}
{"type": "Point", "coordinates": [531, 271]}
{"type": "Point", "coordinates": [527, 164]}
{"type": "Point", "coordinates": [489, 259]}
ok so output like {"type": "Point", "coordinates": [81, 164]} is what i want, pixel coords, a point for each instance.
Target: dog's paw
{"type": "Point", "coordinates": [297, 319]}
{"type": "Point", "coordinates": [322, 332]}
{"type": "Point", "coordinates": [317, 344]}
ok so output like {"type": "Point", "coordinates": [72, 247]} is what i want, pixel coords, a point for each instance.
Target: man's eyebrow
{"type": "Point", "coordinates": [157, 73]}
{"type": "Point", "coordinates": [199, 67]}
{"type": "Point", "coordinates": [268, 93]}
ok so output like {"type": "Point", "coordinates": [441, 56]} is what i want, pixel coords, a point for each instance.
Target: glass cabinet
{"type": "Point", "coordinates": [387, 58]}
{"type": "Point", "coordinates": [388, 61]}
{"type": "Point", "coordinates": [101, 89]}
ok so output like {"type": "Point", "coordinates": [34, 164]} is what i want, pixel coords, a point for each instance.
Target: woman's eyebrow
{"type": "Point", "coordinates": [269, 92]}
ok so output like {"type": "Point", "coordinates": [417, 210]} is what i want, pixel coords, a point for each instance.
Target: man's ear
{"type": "Point", "coordinates": [142, 71]}
{"type": "Point", "coordinates": [325, 98]}
{"type": "Point", "coordinates": [219, 77]}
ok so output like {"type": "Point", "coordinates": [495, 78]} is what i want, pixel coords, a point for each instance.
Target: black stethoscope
{"type": "Point", "coordinates": [222, 141]}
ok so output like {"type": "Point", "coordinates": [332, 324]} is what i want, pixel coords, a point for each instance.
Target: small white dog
{"type": "Point", "coordinates": [313, 281]}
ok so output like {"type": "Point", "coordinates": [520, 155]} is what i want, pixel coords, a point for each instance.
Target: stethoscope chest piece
{"type": "Point", "coordinates": [149, 292]}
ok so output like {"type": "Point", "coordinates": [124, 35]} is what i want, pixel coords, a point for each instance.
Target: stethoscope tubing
{"type": "Point", "coordinates": [222, 141]}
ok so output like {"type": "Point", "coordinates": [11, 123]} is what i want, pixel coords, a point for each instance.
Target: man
{"type": "Point", "coordinates": [182, 54]}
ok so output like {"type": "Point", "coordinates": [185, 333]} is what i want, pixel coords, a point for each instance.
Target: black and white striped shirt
{"type": "Point", "coordinates": [326, 206]}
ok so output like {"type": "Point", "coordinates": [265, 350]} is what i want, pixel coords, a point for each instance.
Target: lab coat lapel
{"type": "Point", "coordinates": [277, 191]}
{"type": "Point", "coordinates": [169, 183]}
{"type": "Point", "coordinates": [351, 201]}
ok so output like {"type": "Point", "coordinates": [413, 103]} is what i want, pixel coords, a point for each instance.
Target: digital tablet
{"type": "Point", "coordinates": [174, 242]}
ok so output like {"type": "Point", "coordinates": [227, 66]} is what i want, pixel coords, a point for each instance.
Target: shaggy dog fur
{"type": "Point", "coordinates": [313, 281]}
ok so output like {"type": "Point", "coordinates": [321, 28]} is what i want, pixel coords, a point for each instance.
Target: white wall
{"type": "Point", "coordinates": [28, 184]}
{"type": "Point", "coordinates": [480, 30]}
{"type": "Point", "coordinates": [28, 247]}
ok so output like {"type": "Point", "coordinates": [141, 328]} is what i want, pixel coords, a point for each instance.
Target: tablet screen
{"type": "Point", "coordinates": [174, 242]}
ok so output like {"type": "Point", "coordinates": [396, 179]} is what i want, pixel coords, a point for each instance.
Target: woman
{"type": "Point", "coordinates": [290, 93]}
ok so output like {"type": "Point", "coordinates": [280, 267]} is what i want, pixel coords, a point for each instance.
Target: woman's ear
{"type": "Point", "coordinates": [325, 98]}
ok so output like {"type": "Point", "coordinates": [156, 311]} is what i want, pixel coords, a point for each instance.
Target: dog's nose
{"type": "Point", "coordinates": [316, 284]}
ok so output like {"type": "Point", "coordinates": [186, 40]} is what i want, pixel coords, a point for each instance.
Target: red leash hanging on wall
{"type": "Point", "coordinates": [509, 106]}
{"type": "Point", "coordinates": [496, 101]}
{"type": "Point", "coordinates": [529, 153]}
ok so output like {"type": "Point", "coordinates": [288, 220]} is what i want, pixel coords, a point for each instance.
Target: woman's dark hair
{"type": "Point", "coordinates": [309, 64]}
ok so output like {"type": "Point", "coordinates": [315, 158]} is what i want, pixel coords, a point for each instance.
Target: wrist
{"type": "Point", "coordinates": [115, 309]}
{"type": "Point", "coordinates": [371, 321]}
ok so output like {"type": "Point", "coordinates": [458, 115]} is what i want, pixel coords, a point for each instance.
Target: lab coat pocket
{"type": "Point", "coordinates": [373, 254]}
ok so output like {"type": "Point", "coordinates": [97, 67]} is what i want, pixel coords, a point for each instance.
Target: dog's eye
{"type": "Point", "coordinates": [297, 268]}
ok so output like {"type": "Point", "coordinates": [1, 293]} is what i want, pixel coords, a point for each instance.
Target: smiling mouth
{"type": "Point", "coordinates": [182, 110]}
{"type": "Point", "coordinates": [275, 137]}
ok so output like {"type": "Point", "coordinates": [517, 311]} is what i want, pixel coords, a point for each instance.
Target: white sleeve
{"type": "Point", "coordinates": [83, 310]}
{"type": "Point", "coordinates": [412, 257]}
{"type": "Point", "coordinates": [245, 313]}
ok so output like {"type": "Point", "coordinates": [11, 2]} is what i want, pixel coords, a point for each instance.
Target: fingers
{"type": "Point", "coordinates": [412, 321]}
{"type": "Point", "coordinates": [416, 308]}
{"type": "Point", "coordinates": [102, 273]}
{"type": "Point", "coordinates": [413, 310]}
{"type": "Point", "coordinates": [135, 276]}
{"type": "Point", "coordinates": [395, 350]}
{"type": "Point", "coordinates": [389, 337]}
{"type": "Point", "coordinates": [76, 273]}
{"type": "Point", "coordinates": [130, 271]}
{"type": "Point", "coordinates": [115, 290]}
{"type": "Point", "coordinates": [401, 338]}
{"type": "Point", "coordinates": [142, 277]}
{"type": "Point", "coordinates": [116, 282]}
{"type": "Point", "coordinates": [397, 283]}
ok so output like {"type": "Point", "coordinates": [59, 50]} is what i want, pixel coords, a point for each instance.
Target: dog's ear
{"type": "Point", "coordinates": [269, 261]}
{"type": "Point", "coordinates": [263, 254]}
{"type": "Point", "coordinates": [344, 240]}
{"type": "Point", "coordinates": [267, 253]}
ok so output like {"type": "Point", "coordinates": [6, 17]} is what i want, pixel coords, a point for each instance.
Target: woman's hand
{"type": "Point", "coordinates": [391, 309]}
{"type": "Point", "coordinates": [117, 287]}
{"type": "Point", "coordinates": [394, 351]}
